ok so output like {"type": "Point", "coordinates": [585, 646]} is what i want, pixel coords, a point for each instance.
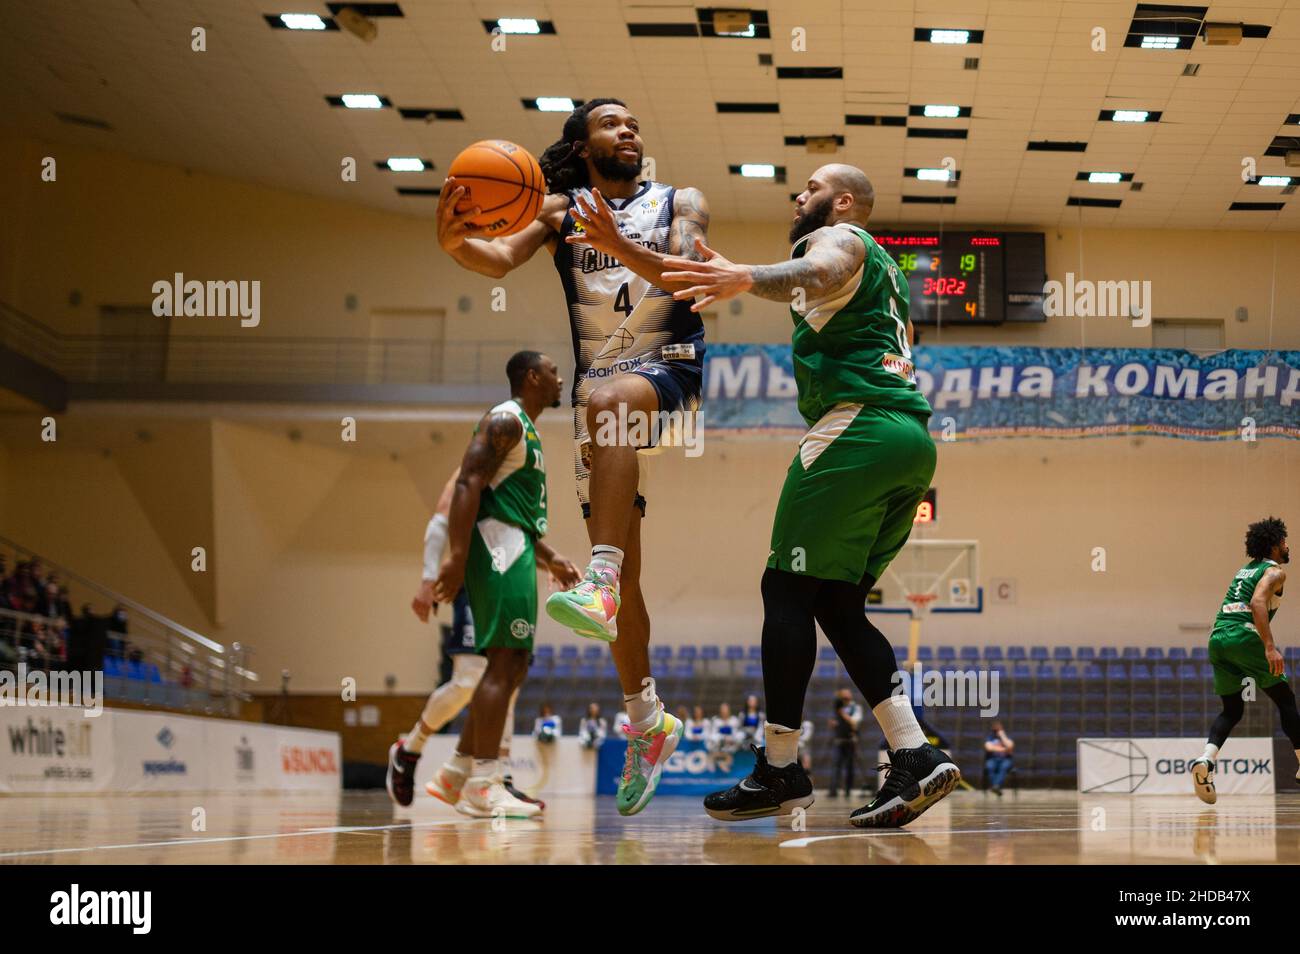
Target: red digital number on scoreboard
{"type": "Point", "coordinates": [943, 286]}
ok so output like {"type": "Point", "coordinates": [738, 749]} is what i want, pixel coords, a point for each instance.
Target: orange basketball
{"type": "Point", "coordinates": [504, 180]}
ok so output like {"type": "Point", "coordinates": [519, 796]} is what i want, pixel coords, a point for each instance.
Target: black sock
{"type": "Point", "coordinates": [789, 643]}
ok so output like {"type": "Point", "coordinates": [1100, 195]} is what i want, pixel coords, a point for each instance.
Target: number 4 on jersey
{"type": "Point", "coordinates": [623, 300]}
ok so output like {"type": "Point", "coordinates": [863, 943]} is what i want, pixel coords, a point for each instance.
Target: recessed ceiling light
{"type": "Point", "coordinates": [933, 175]}
{"type": "Point", "coordinates": [1277, 181]}
{"type": "Point", "coordinates": [942, 112]}
{"type": "Point", "coordinates": [518, 25]}
{"type": "Point", "coordinates": [1130, 116]}
{"type": "Point", "coordinates": [302, 21]}
{"type": "Point", "coordinates": [555, 104]}
{"type": "Point", "coordinates": [1106, 177]}
{"type": "Point", "coordinates": [405, 164]}
{"type": "Point", "coordinates": [758, 170]}
{"type": "Point", "coordinates": [362, 101]}
{"type": "Point", "coordinates": [950, 36]}
{"type": "Point", "coordinates": [1160, 43]}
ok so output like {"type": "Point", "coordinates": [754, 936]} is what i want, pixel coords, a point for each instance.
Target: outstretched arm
{"type": "Point", "coordinates": [600, 231]}
{"type": "Point", "coordinates": [832, 258]}
{"type": "Point", "coordinates": [496, 435]}
{"type": "Point", "coordinates": [493, 257]}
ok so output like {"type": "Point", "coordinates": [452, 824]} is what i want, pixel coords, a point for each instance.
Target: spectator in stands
{"type": "Point", "coordinates": [117, 631]}
{"type": "Point", "coordinates": [593, 729]}
{"type": "Point", "coordinates": [547, 727]}
{"type": "Point", "coordinates": [998, 750]}
{"type": "Point", "coordinates": [620, 719]}
{"type": "Point", "coordinates": [752, 722]}
{"type": "Point", "coordinates": [725, 735]}
{"type": "Point", "coordinates": [844, 725]}
{"type": "Point", "coordinates": [699, 728]}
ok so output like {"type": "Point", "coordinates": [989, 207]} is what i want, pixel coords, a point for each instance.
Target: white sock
{"type": "Point", "coordinates": [640, 713]}
{"type": "Point", "coordinates": [484, 768]}
{"type": "Point", "coordinates": [415, 739]}
{"type": "Point", "coordinates": [782, 745]}
{"type": "Point", "coordinates": [607, 558]}
{"type": "Point", "coordinates": [460, 763]}
{"type": "Point", "coordinates": [898, 722]}
{"type": "Point", "coordinates": [1212, 751]}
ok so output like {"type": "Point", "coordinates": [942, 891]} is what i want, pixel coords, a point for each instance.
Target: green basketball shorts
{"type": "Point", "coordinates": [1235, 653]}
{"type": "Point", "coordinates": [851, 493]}
{"type": "Point", "coordinates": [501, 580]}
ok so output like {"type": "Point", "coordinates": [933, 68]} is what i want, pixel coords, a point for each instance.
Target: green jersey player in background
{"type": "Point", "coordinates": [850, 494]}
{"type": "Point", "coordinates": [494, 548]}
{"type": "Point", "coordinates": [1242, 651]}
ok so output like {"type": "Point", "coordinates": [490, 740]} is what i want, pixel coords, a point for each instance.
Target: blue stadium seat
{"type": "Point", "coordinates": [544, 652]}
{"type": "Point", "coordinates": [1085, 653]}
{"type": "Point", "coordinates": [754, 653]}
{"type": "Point", "coordinates": [969, 654]}
{"type": "Point", "coordinates": [682, 670]}
{"type": "Point", "coordinates": [1141, 673]}
{"type": "Point", "coordinates": [1044, 671]}
{"type": "Point", "coordinates": [826, 671]}
{"type": "Point", "coordinates": [1177, 652]}
{"type": "Point", "coordinates": [609, 671]}
{"type": "Point", "coordinates": [1200, 652]}
{"type": "Point", "coordinates": [1016, 652]}
{"type": "Point", "coordinates": [586, 671]}
{"type": "Point", "coordinates": [1038, 653]}
{"type": "Point", "coordinates": [900, 653]}
{"type": "Point", "coordinates": [563, 670]}
{"type": "Point", "coordinates": [1021, 671]}
{"type": "Point", "coordinates": [992, 652]}
{"type": "Point", "coordinates": [924, 653]}
{"type": "Point", "coordinates": [1069, 671]}
{"type": "Point", "coordinates": [688, 653]}
{"type": "Point", "coordinates": [1188, 674]}
{"type": "Point", "coordinates": [593, 654]}
{"type": "Point", "coordinates": [112, 667]}
{"type": "Point", "coordinates": [1154, 652]}
{"type": "Point", "coordinates": [1165, 673]}
{"type": "Point", "coordinates": [1062, 654]}
{"type": "Point", "coordinates": [710, 652]}
{"type": "Point", "coordinates": [663, 653]}
{"type": "Point", "coordinates": [753, 670]}
{"type": "Point", "coordinates": [1131, 652]}
{"type": "Point", "coordinates": [946, 654]}
{"type": "Point", "coordinates": [537, 670]}
{"type": "Point", "coordinates": [569, 653]}
{"type": "Point", "coordinates": [733, 653]}
{"type": "Point", "coordinates": [1108, 652]}
{"type": "Point", "coordinates": [827, 653]}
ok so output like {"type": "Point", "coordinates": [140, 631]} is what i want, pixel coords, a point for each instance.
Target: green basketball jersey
{"type": "Point", "coordinates": [517, 493]}
{"type": "Point", "coordinates": [1235, 610]}
{"type": "Point", "coordinates": [851, 346]}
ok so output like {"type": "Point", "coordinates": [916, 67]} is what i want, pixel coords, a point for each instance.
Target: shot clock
{"type": "Point", "coordinates": [970, 278]}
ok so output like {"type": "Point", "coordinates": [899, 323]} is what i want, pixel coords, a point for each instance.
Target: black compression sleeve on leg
{"type": "Point", "coordinates": [789, 643]}
{"type": "Point", "coordinates": [865, 652]}
{"type": "Point", "coordinates": [1233, 710]}
{"type": "Point", "coordinates": [1284, 698]}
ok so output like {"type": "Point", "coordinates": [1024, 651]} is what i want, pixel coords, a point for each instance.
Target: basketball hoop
{"type": "Point", "coordinates": [920, 603]}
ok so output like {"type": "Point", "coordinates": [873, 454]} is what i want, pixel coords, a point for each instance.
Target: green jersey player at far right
{"type": "Point", "coordinates": [1242, 649]}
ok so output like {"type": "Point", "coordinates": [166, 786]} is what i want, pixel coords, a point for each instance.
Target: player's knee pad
{"type": "Point", "coordinates": [467, 670]}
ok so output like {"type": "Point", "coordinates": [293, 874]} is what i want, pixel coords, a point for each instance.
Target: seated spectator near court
{"type": "Point", "coordinates": [547, 727]}
{"type": "Point", "coordinates": [726, 736]}
{"type": "Point", "coordinates": [699, 727]}
{"type": "Point", "coordinates": [998, 750]}
{"type": "Point", "coordinates": [593, 728]}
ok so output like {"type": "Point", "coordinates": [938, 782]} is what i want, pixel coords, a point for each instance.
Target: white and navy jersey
{"type": "Point", "coordinates": [620, 322]}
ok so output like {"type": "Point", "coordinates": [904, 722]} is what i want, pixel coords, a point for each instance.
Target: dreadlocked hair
{"type": "Point", "coordinates": [563, 168]}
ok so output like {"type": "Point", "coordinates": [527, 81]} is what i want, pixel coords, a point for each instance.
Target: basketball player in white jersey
{"type": "Point", "coordinates": [639, 353]}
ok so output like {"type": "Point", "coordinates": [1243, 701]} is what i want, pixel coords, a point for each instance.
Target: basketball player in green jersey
{"type": "Point", "coordinates": [1242, 649]}
{"type": "Point", "coordinates": [494, 545]}
{"type": "Point", "coordinates": [850, 495]}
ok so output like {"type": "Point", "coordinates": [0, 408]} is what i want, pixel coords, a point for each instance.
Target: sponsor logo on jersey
{"type": "Point", "coordinates": [618, 367]}
{"type": "Point", "coordinates": [594, 261]}
{"type": "Point", "coordinates": [678, 352]}
{"type": "Point", "coordinates": [584, 454]}
{"type": "Point", "coordinates": [897, 364]}
{"type": "Point", "coordinates": [520, 629]}
{"type": "Point", "coordinates": [650, 205]}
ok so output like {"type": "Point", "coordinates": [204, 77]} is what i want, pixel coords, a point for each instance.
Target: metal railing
{"type": "Point", "coordinates": [252, 357]}
{"type": "Point", "coordinates": [196, 673]}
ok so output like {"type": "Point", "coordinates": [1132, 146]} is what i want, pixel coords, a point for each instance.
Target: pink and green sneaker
{"type": "Point", "coordinates": [647, 753]}
{"type": "Point", "coordinates": [590, 608]}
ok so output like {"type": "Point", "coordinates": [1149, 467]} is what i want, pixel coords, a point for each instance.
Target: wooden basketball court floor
{"type": "Point", "coordinates": [1025, 827]}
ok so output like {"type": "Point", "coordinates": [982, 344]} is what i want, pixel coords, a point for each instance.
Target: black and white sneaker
{"type": "Point", "coordinates": [509, 782]}
{"type": "Point", "coordinates": [1203, 781]}
{"type": "Point", "coordinates": [765, 791]}
{"type": "Point", "coordinates": [917, 778]}
{"type": "Point", "coordinates": [400, 778]}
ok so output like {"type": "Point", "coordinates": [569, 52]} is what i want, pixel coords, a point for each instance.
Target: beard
{"type": "Point", "coordinates": [612, 167]}
{"type": "Point", "coordinates": [811, 220]}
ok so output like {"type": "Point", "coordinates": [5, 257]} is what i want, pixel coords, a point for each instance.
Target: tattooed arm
{"type": "Point", "coordinates": [690, 225]}
{"type": "Point", "coordinates": [497, 434]}
{"type": "Point", "coordinates": [833, 257]}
